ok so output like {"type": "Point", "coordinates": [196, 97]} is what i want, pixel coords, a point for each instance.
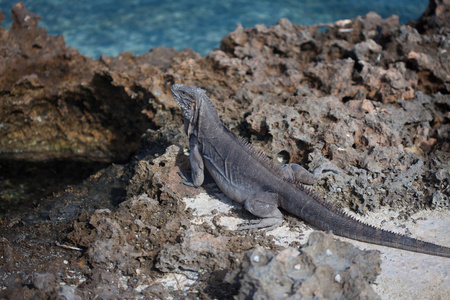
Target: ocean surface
{"type": "Point", "coordinates": [110, 27]}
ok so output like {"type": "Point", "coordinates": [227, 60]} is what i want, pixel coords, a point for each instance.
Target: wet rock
{"type": "Point", "coordinates": [345, 271]}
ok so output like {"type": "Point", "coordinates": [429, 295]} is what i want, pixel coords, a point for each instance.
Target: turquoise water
{"type": "Point", "coordinates": [110, 27]}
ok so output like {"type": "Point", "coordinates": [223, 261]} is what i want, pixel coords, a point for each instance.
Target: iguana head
{"type": "Point", "coordinates": [190, 99]}
{"type": "Point", "coordinates": [187, 97]}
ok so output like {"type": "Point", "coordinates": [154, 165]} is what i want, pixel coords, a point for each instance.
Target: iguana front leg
{"type": "Point", "coordinates": [197, 167]}
{"type": "Point", "coordinates": [263, 205]}
{"type": "Point", "coordinates": [296, 172]}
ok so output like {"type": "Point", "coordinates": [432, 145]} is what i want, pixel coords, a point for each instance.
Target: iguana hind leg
{"type": "Point", "coordinates": [263, 205]}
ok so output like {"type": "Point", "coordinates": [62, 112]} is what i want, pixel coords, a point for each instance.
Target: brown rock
{"type": "Point", "coordinates": [369, 95]}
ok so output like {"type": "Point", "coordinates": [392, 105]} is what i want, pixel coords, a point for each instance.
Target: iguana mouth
{"type": "Point", "coordinates": [182, 98]}
{"type": "Point", "coordinates": [186, 109]}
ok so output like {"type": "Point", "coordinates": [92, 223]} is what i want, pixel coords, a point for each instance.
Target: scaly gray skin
{"type": "Point", "coordinates": [246, 176]}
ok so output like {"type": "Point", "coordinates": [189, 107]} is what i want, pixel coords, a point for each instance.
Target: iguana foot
{"type": "Point", "coordinates": [324, 170]}
{"type": "Point", "coordinates": [296, 172]}
{"type": "Point", "coordinates": [185, 180]}
{"type": "Point", "coordinates": [262, 225]}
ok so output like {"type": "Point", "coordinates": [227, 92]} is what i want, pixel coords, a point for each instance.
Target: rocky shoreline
{"type": "Point", "coordinates": [369, 95]}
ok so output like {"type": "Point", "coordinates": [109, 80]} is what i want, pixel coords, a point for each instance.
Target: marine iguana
{"type": "Point", "coordinates": [245, 175]}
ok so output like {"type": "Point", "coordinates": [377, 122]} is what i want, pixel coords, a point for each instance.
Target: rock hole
{"type": "Point", "coordinates": [283, 157]}
{"type": "Point", "coordinates": [346, 99]}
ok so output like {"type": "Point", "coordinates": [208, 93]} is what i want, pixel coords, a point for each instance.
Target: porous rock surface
{"type": "Point", "coordinates": [344, 270]}
{"type": "Point", "coordinates": [369, 95]}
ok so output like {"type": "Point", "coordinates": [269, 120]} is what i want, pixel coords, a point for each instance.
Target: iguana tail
{"type": "Point", "coordinates": [319, 213]}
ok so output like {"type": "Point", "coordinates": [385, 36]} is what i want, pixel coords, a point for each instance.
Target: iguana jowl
{"type": "Point", "coordinates": [246, 176]}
